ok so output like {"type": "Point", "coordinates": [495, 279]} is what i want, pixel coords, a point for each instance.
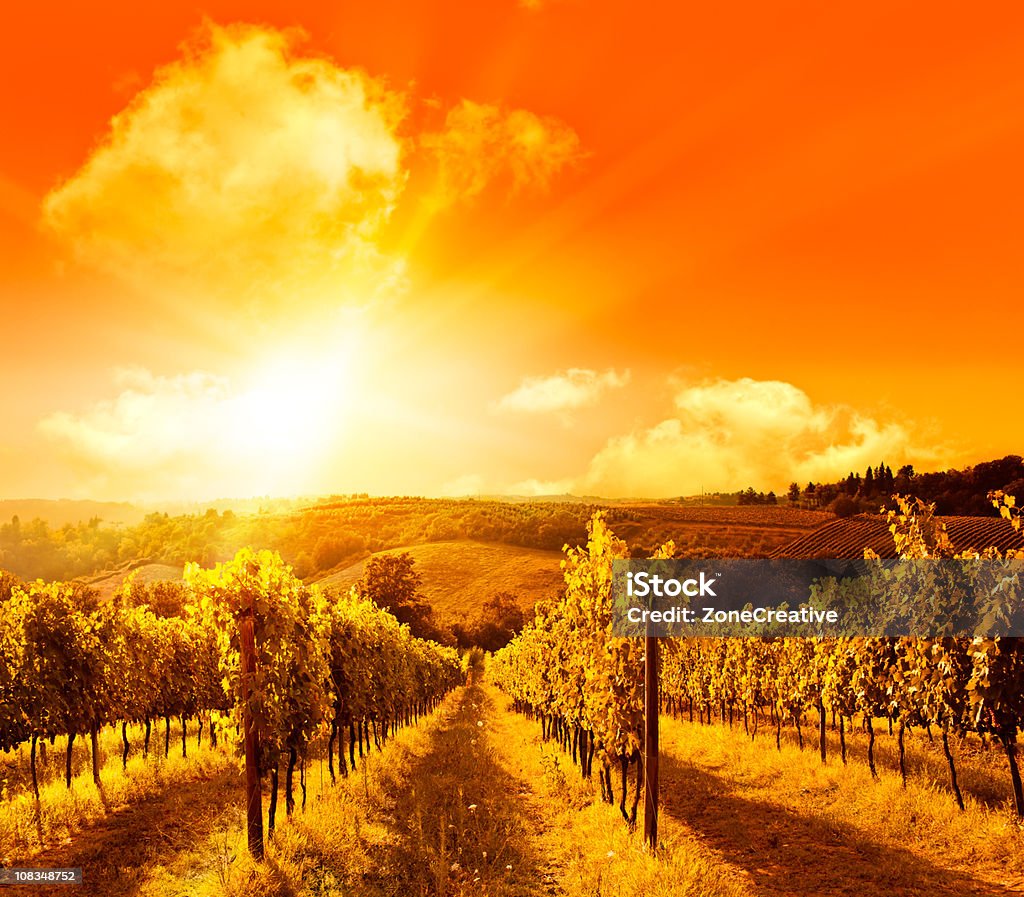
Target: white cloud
{"type": "Point", "coordinates": [729, 434]}
{"type": "Point", "coordinates": [482, 143]}
{"type": "Point", "coordinates": [562, 392]}
{"type": "Point", "coordinates": [151, 420]}
{"type": "Point", "coordinates": [245, 173]}
{"type": "Point", "coordinates": [534, 487]}
{"type": "Point", "coordinates": [198, 435]}
{"type": "Point", "coordinates": [468, 484]}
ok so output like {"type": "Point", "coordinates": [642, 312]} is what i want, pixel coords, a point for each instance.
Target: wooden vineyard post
{"type": "Point", "coordinates": [651, 710]}
{"type": "Point", "coordinates": [254, 802]}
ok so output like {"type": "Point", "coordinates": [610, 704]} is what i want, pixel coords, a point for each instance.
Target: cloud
{"type": "Point", "coordinates": [197, 435]}
{"type": "Point", "coordinates": [534, 487]}
{"type": "Point", "coordinates": [481, 143]}
{"type": "Point", "coordinates": [467, 484]}
{"type": "Point", "coordinates": [245, 173]}
{"type": "Point", "coordinates": [568, 391]}
{"type": "Point", "coordinates": [729, 434]}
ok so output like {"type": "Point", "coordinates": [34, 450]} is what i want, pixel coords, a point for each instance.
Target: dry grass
{"type": "Point", "coordinates": [471, 802]}
{"type": "Point", "coordinates": [84, 822]}
{"type": "Point", "coordinates": [591, 851]}
{"type": "Point", "coordinates": [466, 803]}
{"type": "Point", "coordinates": [796, 826]}
{"type": "Point", "coordinates": [430, 815]}
{"type": "Point", "coordinates": [743, 818]}
{"type": "Point", "coordinates": [459, 576]}
{"type": "Point", "coordinates": [177, 827]}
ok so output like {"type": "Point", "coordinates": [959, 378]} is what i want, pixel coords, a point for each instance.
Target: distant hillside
{"type": "Point", "coordinates": [62, 511]}
{"type": "Point", "coordinates": [749, 531]}
{"type": "Point", "coordinates": [847, 538]}
{"type": "Point", "coordinates": [108, 582]}
{"type": "Point", "coordinates": [327, 537]}
{"type": "Point", "coordinates": [459, 576]}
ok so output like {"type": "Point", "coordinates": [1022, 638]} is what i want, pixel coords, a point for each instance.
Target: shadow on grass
{"type": "Point", "coordinates": [116, 852]}
{"type": "Point", "coordinates": [981, 773]}
{"type": "Point", "coordinates": [788, 853]}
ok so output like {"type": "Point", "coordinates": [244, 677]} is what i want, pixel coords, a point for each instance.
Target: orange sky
{"type": "Point", "coordinates": [445, 247]}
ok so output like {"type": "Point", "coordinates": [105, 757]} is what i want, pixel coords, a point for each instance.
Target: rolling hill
{"type": "Point", "coordinates": [58, 512]}
{"type": "Point", "coordinates": [715, 531]}
{"type": "Point", "coordinates": [108, 582]}
{"type": "Point", "coordinates": [458, 576]}
{"type": "Point", "coordinates": [847, 538]}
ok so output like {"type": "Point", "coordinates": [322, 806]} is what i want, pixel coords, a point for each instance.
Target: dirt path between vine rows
{"type": "Point", "coordinates": [448, 817]}
{"type": "Point", "coordinates": [463, 824]}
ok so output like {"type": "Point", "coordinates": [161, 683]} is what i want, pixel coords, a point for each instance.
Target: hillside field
{"type": "Point", "coordinates": [109, 582]}
{"type": "Point", "coordinates": [742, 530]}
{"type": "Point", "coordinates": [465, 550]}
{"type": "Point", "coordinates": [459, 576]}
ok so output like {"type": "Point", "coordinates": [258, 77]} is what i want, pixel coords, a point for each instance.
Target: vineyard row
{"type": "Point", "coordinates": [586, 685]}
{"type": "Point", "coordinates": [325, 666]}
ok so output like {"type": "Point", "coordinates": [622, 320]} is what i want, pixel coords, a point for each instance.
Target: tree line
{"type": "Point", "coordinates": [952, 492]}
{"type": "Point", "coordinates": [314, 540]}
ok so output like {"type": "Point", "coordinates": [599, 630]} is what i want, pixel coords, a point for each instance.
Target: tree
{"type": "Point", "coordinates": [8, 583]}
{"type": "Point", "coordinates": [501, 620]}
{"type": "Point", "coordinates": [844, 506]}
{"type": "Point", "coordinates": [392, 582]}
{"type": "Point", "coordinates": [332, 550]}
{"type": "Point", "coordinates": [794, 492]}
{"type": "Point", "coordinates": [62, 665]}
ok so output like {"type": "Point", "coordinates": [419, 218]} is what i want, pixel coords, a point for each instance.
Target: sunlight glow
{"type": "Point", "coordinates": [293, 409]}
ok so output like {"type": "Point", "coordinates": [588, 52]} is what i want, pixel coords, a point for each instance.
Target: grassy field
{"type": "Point", "coordinates": [171, 788]}
{"type": "Point", "coordinates": [426, 815]}
{"type": "Point", "coordinates": [459, 576]}
{"type": "Point", "coordinates": [589, 849]}
{"type": "Point", "coordinates": [471, 801]}
{"type": "Point", "coordinates": [790, 825]}
{"type": "Point", "coordinates": [466, 803]}
{"type": "Point", "coordinates": [109, 582]}
{"type": "Point", "coordinates": [746, 531]}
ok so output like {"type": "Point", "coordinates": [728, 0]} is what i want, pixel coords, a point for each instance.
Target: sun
{"type": "Point", "coordinates": [291, 411]}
